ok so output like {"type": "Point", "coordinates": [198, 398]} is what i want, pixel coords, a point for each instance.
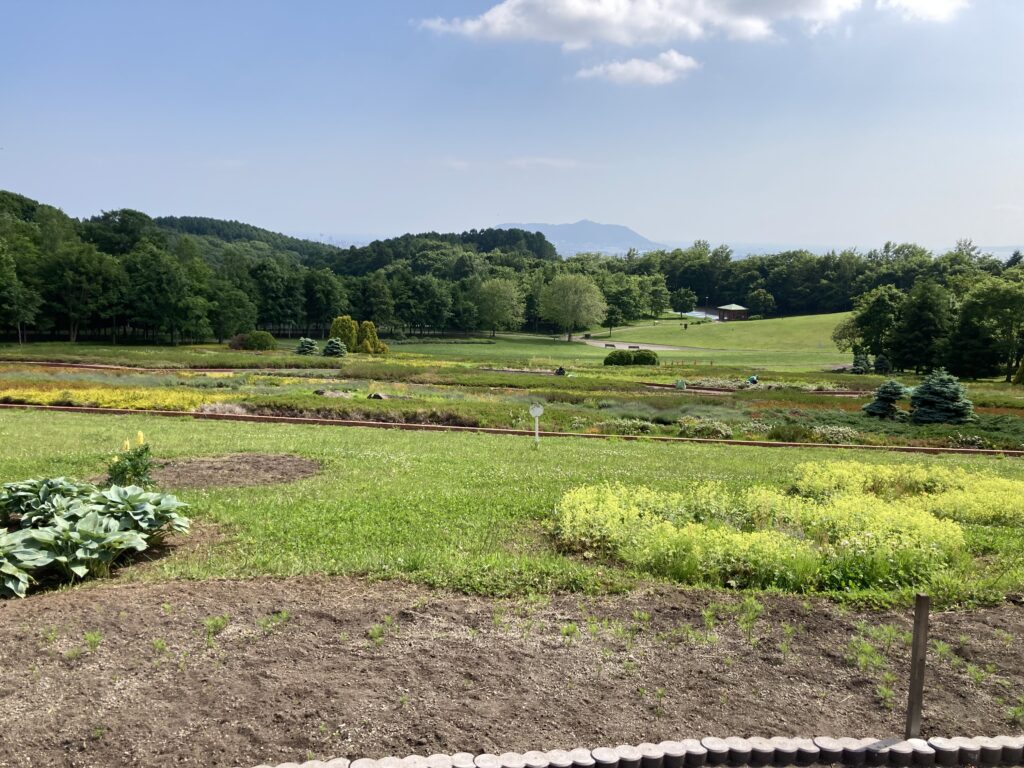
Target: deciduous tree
{"type": "Point", "coordinates": [572, 302]}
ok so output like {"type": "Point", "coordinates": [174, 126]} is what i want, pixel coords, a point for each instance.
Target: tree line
{"type": "Point", "coordinates": [124, 275]}
{"type": "Point", "coordinates": [973, 325]}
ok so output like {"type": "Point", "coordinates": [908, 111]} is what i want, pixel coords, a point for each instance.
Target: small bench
{"type": "Point", "coordinates": [634, 347]}
{"type": "Point", "coordinates": [610, 345]}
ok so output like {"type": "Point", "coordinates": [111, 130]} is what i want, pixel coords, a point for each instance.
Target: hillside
{"type": "Point", "coordinates": [790, 341]}
{"type": "Point", "coordinates": [586, 236]}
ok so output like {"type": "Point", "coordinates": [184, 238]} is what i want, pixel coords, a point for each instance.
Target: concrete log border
{"type": "Point", "coordinates": [498, 431]}
{"type": "Point", "coordinates": [735, 752]}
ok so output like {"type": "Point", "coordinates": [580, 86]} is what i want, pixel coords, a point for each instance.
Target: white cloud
{"type": "Point", "coordinates": [665, 68]}
{"type": "Point", "coordinates": [579, 23]}
{"type": "Point", "coordinates": [927, 10]}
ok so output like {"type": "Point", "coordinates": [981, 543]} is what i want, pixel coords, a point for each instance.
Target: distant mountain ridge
{"type": "Point", "coordinates": [585, 236]}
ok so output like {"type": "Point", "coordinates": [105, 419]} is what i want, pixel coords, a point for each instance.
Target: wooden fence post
{"type": "Point", "coordinates": [915, 699]}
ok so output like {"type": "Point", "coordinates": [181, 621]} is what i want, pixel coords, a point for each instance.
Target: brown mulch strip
{"type": "Point", "coordinates": [239, 469]}
{"type": "Point", "coordinates": [453, 672]}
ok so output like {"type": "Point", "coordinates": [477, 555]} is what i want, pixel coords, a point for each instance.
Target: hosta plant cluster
{"type": "Point", "coordinates": [67, 530]}
{"type": "Point", "coordinates": [838, 526]}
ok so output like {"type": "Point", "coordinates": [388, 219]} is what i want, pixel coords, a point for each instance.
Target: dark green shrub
{"type": "Point", "coordinates": [628, 357]}
{"type": "Point", "coordinates": [306, 347]}
{"type": "Point", "coordinates": [940, 399]}
{"type": "Point", "coordinates": [860, 364]}
{"type": "Point", "coordinates": [645, 357]}
{"type": "Point", "coordinates": [886, 397]}
{"type": "Point", "coordinates": [253, 341]}
{"type": "Point", "coordinates": [882, 365]}
{"type": "Point", "coordinates": [334, 348]}
{"type": "Point", "coordinates": [619, 357]}
{"type": "Point", "coordinates": [789, 432]}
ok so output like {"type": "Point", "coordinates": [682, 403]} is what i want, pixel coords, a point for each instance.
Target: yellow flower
{"type": "Point", "coordinates": [140, 438]}
{"type": "Point", "coordinates": [127, 446]}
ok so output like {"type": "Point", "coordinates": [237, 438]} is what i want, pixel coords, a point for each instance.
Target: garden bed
{"type": "Point", "coordinates": [324, 667]}
{"type": "Point", "coordinates": [239, 469]}
{"type": "Point", "coordinates": [935, 450]}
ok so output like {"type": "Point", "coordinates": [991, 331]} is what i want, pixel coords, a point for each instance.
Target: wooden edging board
{"type": "Point", "coordinates": [499, 431]}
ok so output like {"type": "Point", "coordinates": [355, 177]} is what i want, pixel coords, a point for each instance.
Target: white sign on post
{"type": "Point", "coordinates": [536, 410]}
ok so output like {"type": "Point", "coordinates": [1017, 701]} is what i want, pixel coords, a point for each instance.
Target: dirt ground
{"type": "Point", "coordinates": [370, 669]}
{"type": "Point", "coordinates": [233, 470]}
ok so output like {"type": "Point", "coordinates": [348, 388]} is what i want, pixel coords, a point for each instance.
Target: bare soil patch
{"type": "Point", "coordinates": [234, 470]}
{"type": "Point", "coordinates": [452, 672]}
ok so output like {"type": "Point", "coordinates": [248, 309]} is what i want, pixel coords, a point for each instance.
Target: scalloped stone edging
{"type": "Point", "coordinates": [732, 752]}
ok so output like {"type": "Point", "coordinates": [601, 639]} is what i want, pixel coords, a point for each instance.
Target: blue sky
{"type": "Point", "coordinates": [829, 123]}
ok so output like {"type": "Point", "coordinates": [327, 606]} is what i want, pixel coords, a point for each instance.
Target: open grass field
{"type": "Point", "coordinates": [778, 344]}
{"type": "Point", "coordinates": [335, 572]}
{"type": "Point", "coordinates": [796, 343]}
{"type": "Point", "coordinates": [462, 511]}
{"type": "Point", "coordinates": [181, 356]}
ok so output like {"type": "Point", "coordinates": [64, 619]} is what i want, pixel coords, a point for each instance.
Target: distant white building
{"type": "Point", "coordinates": [732, 312]}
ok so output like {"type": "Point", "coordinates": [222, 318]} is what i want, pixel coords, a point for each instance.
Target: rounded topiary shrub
{"type": "Point", "coordinates": [631, 357]}
{"type": "Point", "coordinates": [619, 357]}
{"type": "Point", "coordinates": [254, 340]}
{"type": "Point", "coordinates": [645, 357]}
{"type": "Point", "coordinates": [334, 348]}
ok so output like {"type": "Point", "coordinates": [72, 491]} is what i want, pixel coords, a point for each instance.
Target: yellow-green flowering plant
{"type": "Point", "coordinates": [132, 465]}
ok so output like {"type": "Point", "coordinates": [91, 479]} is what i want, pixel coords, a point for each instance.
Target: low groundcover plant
{"type": "Point", "coordinates": [838, 526]}
{"type": "Point", "coordinates": [61, 529]}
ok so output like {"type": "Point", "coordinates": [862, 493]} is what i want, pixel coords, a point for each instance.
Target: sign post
{"type": "Point", "coordinates": [915, 700]}
{"type": "Point", "coordinates": [536, 410]}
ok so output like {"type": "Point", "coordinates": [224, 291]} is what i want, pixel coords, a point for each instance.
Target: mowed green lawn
{"type": "Point", "coordinates": [506, 349]}
{"type": "Point", "coordinates": [780, 343]}
{"type": "Point", "coordinates": [160, 356]}
{"type": "Point", "coordinates": [457, 510]}
{"type": "Point", "coordinates": [794, 343]}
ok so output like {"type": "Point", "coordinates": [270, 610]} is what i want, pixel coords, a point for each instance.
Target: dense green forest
{"type": "Point", "coordinates": [122, 275]}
